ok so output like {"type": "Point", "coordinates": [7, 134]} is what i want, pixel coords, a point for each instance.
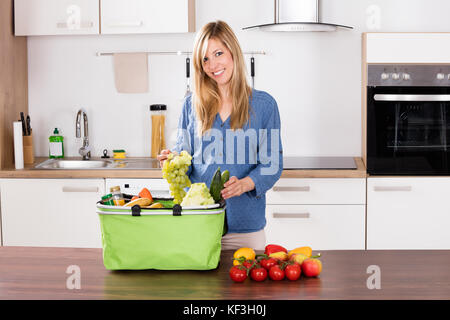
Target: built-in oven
{"type": "Point", "coordinates": [408, 119]}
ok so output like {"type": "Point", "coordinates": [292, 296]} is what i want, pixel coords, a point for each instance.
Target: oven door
{"type": "Point", "coordinates": [408, 130]}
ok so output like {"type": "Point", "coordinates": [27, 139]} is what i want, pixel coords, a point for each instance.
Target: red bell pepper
{"type": "Point", "coordinates": [272, 248]}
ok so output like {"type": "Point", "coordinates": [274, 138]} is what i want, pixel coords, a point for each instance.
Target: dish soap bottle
{"type": "Point", "coordinates": [56, 146]}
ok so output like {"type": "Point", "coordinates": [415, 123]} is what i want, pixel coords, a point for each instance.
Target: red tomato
{"type": "Point", "coordinates": [247, 263]}
{"type": "Point", "coordinates": [268, 263]}
{"type": "Point", "coordinates": [238, 274]}
{"type": "Point", "coordinates": [293, 271]}
{"type": "Point", "coordinates": [258, 273]}
{"type": "Point", "coordinates": [276, 273]}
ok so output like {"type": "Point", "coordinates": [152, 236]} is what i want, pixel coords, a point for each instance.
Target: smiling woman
{"type": "Point", "coordinates": [222, 109]}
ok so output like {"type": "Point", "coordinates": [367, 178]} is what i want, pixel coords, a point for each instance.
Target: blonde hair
{"type": "Point", "coordinates": [206, 98]}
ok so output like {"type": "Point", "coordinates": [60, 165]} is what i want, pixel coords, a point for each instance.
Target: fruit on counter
{"type": "Point", "coordinates": [238, 273]}
{"type": "Point", "coordinates": [174, 171]}
{"type": "Point", "coordinates": [198, 195]}
{"type": "Point", "coordinates": [280, 255]}
{"type": "Point", "coordinates": [298, 258]}
{"type": "Point", "coordinates": [142, 202]}
{"type": "Point", "coordinates": [311, 267]}
{"type": "Point", "coordinates": [276, 273]}
{"type": "Point", "coordinates": [243, 254]}
{"type": "Point", "coordinates": [258, 273]}
{"type": "Point", "coordinates": [216, 186]}
{"type": "Point", "coordinates": [307, 251]}
{"type": "Point", "coordinates": [293, 271]}
{"type": "Point", "coordinates": [268, 263]}
{"type": "Point", "coordinates": [144, 193]}
{"type": "Point", "coordinates": [272, 248]}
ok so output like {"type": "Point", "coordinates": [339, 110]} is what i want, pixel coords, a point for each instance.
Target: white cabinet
{"type": "Point", "coordinates": [147, 16]}
{"type": "Point", "coordinates": [56, 17]}
{"type": "Point", "coordinates": [159, 188]}
{"type": "Point", "coordinates": [51, 212]}
{"type": "Point", "coordinates": [408, 47]}
{"type": "Point", "coordinates": [408, 213]}
{"type": "Point", "coordinates": [326, 214]}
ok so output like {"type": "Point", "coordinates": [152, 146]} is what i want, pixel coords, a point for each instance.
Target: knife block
{"type": "Point", "coordinates": [28, 156]}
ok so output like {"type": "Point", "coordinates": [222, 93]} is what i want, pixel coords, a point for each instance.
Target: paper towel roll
{"type": "Point", "coordinates": [18, 145]}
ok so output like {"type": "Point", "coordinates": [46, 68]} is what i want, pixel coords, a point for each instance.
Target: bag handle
{"type": "Point", "coordinates": [176, 210]}
{"type": "Point", "coordinates": [136, 210]}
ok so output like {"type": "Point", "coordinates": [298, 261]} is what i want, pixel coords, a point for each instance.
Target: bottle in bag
{"type": "Point", "coordinates": [108, 200]}
{"type": "Point", "coordinates": [117, 196]}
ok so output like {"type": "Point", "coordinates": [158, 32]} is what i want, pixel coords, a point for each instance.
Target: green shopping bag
{"type": "Point", "coordinates": [165, 239]}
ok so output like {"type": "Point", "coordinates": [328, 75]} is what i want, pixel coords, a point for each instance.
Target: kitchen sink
{"type": "Point", "coordinates": [77, 164]}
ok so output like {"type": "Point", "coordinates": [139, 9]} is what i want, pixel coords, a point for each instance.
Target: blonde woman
{"type": "Point", "coordinates": [226, 124]}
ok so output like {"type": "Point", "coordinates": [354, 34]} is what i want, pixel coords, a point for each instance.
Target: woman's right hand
{"type": "Point", "coordinates": [163, 156]}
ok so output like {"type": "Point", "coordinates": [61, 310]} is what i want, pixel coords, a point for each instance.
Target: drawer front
{"type": "Point", "coordinates": [322, 227]}
{"type": "Point", "coordinates": [318, 191]}
{"type": "Point", "coordinates": [159, 188]}
{"type": "Point", "coordinates": [408, 213]}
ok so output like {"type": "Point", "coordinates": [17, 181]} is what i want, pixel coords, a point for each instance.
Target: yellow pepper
{"type": "Point", "coordinates": [247, 253]}
{"type": "Point", "coordinates": [307, 251]}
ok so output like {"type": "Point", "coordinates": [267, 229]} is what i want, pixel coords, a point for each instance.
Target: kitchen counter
{"type": "Point", "coordinates": [40, 273]}
{"type": "Point", "coordinates": [30, 172]}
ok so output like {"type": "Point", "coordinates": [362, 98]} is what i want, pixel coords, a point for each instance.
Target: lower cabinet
{"type": "Point", "coordinates": [408, 213]}
{"type": "Point", "coordinates": [322, 227]}
{"type": "Point", "coordinates": [51, 212]}
{"type": "Point", "coordinates": [325, 214]}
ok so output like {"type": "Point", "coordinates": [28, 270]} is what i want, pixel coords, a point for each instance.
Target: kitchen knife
{"type": "Point", "coordinates": [252, 71]}
{"type": "Point", "coordinates": [22, 118]}
{"type": "Point", "coordinates": [28, 125]}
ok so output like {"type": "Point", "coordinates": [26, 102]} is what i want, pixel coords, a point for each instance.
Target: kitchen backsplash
{"type": "Point", "coordinates": [315, 77]}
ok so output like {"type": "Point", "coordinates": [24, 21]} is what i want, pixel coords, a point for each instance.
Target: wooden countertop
{"type": "Point", "coordinates": [40, 273]}
{"type": "Point", "coordinates": [29, 172]}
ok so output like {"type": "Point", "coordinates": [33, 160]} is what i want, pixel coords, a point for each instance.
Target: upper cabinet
{"type": "Point", "coordinates": [78, 17]}
{"type": "Point", "coordinates": [147, 16]}
{"type": "Point", "coordinates": [56, 17]}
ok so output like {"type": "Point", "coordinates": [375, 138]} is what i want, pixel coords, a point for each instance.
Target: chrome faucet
{"type": "Point", "coordinates": [85, 150]}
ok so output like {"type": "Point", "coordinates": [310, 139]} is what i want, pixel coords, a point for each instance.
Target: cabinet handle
{"type": "Point", "coordinates": [392, 188]}
{"type": "Point", "coordinates": [303, 189]}
{"type": "Point", "coordinates": [304, 215]}
{"type": "Point", "coordinates": [80, 189]}
{"type": "Point", "coordinates": [126, 24]}
{"type": "Point", "coordinates": [83, 24]}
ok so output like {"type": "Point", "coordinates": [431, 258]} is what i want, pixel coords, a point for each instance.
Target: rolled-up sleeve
{"type": "Point", "coordinates": [270, 153]}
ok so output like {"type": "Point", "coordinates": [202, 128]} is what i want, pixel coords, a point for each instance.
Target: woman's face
{"type": "Point", "coordinates": [218, 62]}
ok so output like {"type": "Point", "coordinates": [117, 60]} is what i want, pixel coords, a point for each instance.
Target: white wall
{"type": "Point", "coordinates": [315, 77]}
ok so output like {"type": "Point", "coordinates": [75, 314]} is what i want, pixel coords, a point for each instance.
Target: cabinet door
{"type": "Point", "coordinates": [159, 188]}
{"type": "Point", "coordinates": [51, 212]}
{"type": "Point", "coordinates": [318, 191]}
{"type": "Point", "coordinates": [147, 16]}
{"type": "Point", "coordinates": [408, 213]}
{"type": "Point", "coordinates": [322, 227]}
{"type": "Point", "coordinates": [56, 17]}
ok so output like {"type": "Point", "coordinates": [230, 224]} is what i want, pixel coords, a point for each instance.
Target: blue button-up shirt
{"type": "Point", "coordinates": [254, 151]}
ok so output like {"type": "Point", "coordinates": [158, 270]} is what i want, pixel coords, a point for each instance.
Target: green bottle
{"type": "Point", "coordinates": [56, 146]}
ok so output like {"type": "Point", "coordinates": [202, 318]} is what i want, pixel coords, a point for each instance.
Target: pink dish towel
{"type": "Point", "coordinates": [131, 72]}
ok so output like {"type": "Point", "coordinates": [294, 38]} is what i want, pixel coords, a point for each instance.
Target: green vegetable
{"type": "Point", "coordinates": [198, 195]}
{"type": "Point", "coordinates": [216, 186]}
{"type": "Point", "coordinates": [225, 176]}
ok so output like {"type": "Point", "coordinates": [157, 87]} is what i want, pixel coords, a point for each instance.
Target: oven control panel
{"type": "Point", "coordinates": [406, 75]}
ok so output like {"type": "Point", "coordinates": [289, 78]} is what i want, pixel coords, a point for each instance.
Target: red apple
{"type": "Point", "coordinates": [311, 267]}
{"type": "Point", "coordinates": [298, 258]}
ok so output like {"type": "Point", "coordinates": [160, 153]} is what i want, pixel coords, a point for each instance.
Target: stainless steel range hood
{"type": "Point", "coordinates": [297, 15]}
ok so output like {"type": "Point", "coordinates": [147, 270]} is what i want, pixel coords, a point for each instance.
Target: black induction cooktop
{"type": "Point", "coordinates": [319, 163]}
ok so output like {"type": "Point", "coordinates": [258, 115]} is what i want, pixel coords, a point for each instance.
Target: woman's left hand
{"type": "Point", "coordinates": [234, 187]}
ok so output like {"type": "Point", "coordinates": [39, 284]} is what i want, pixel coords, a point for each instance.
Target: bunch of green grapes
{"type": "Point", "coordinates": [174, 171]}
